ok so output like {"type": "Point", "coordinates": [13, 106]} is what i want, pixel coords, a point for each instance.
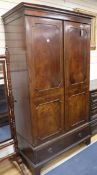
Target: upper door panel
{"type": "Point", "coordinates": [76, 39]}
{"type": "Point", "coordinates": [46, 58]}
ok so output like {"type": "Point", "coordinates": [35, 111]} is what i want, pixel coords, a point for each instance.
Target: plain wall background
{"type": "Point", "coordinates": [90, 5]}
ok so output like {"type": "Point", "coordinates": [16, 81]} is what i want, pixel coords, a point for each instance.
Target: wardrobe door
{"type": "Point", "coordinates": [76, 60]}
{"type": "Point", "coordinates": [45, 61]}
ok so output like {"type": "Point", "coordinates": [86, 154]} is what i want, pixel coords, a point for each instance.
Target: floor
{"type": "Point", "coordinates": [9, 168]}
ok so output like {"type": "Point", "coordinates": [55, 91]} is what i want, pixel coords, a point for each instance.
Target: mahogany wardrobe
{"type": "Point", "coordinates": [50, 63]}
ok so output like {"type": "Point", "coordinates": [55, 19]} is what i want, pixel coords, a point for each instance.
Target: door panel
{"type": "Point", "coordinates": [76, 54]}
{"type": "Point", "coordinates": [46, 62]}
{"type": "Point", "coordinates": [48, 118]}
{"type": "Point", "coordinates": [46, 77]}
{"type": "Point", "coordinates": [76, 43]}
{"type": "Point", "coordinates": [77, 105]}
{"type": "Point", "coordinates": [47, 53]}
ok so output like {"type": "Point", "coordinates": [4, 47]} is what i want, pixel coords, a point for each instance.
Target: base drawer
{"type": "Point", "coordinates": [63, 143]}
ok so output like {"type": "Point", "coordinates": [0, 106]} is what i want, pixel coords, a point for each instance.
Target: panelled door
{"type": "Point", "coordinates": [45, 63]}
{"type": "Point", "coordinates": [76, 60]}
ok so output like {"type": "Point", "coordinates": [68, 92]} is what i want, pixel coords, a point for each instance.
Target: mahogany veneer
{"type": "Point", "coordinates": [50, 59]}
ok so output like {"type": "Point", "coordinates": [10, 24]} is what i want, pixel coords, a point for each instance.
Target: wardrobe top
{"type": "Point", "coordinates": [36, 10]}
{"type": "Point", "coordinates": [30, 6]}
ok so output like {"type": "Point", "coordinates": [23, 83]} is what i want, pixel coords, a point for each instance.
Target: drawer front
{"type": "Point", "coordinates": [94, 128]}
{"type": "Point", "coordinates": [93, 117]}
{"type": "Point", "coordinates": [93, 104]}
{"type": "Point", "coordinates": [93, 112]}
{"type": "Point", "coordinates": [93, 96]}
{"type": "Point", "coordinates": [62, 144]}
{"type": "Point", "coordinates": [93, 93]}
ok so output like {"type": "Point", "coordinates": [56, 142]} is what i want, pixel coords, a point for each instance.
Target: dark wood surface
{"type": "Point", "coordinates": [46, 77]}
{"type": "Point", "coordinates": [76, 44]}
{"type": "Point", "coordinates": [50, 59]}
{"type": "Point", "coordinates": [93, 111]}
{"type": "Point", "coordinates": [49, 9]}
{"type": "Point", "coordinates": [19, 75]}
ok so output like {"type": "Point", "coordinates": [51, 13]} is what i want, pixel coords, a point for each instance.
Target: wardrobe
{"type": "Point", "coordinates": [50, 63]}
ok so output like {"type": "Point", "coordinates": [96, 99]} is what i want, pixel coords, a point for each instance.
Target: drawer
{"type": "Point", "coordinates": [62, 144]}
{"type": "Point", "coordinates": [93, 96]}
{"type": "Point", "coordinates": [94, 92]}
{"type": "Point", "coordinates": [92, 117]}
{"type": "Point", "coordinates": [93, 106]}
{"type": "Point", "coordinates": [94, 128]}
{"type": "Point", "coordinates": [93, 112]}
{"type": "Point", "coordinates": [93, 100]}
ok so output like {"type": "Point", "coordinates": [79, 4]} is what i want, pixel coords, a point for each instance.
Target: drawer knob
{"type": "Point", "coordinates": [80, 134]}
{"type": "Point", "coordinates": [50, 150]}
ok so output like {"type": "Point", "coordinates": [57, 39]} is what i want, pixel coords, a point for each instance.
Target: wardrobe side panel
{"type": "Point", "coordinates": [15, 41]}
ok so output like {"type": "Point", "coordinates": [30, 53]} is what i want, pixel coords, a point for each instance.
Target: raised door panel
{"type": "Point", "coordinates": [77, 54]}
{"type": "Point", "coordinates": [76, 42]}
{"type": "Point", "coordinates": [49, 119]}
{"type": "Point", "coordinates": [46, 57]}
{"type": "Point", "coordinates": [77, 109]}
{"type": "Point", "coordinates": [45, 61]}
